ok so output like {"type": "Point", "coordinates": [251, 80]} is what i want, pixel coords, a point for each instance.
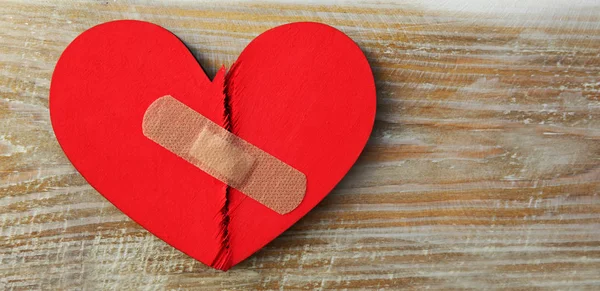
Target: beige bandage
{"type": "Point", "coordinates": [224, 155]}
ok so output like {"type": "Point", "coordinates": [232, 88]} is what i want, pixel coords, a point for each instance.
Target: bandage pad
{"type": "Point", "coordinates": [224, 155]}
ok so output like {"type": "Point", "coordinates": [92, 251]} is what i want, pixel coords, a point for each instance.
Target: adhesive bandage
{"type": "Point", "coordinates": [224, 155]}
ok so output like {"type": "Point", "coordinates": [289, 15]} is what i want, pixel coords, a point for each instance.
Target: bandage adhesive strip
{"type": "Point", "coordinates": [223, 155]}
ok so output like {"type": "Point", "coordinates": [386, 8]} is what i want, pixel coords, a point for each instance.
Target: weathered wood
{"type": "Point", "coordinates": [482, 172]}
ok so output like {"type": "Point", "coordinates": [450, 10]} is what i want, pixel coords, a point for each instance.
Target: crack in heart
{"type": "Point", "coordinates": [223, 259]}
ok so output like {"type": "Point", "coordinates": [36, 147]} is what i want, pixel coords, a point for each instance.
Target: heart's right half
{"type": "Point", "coordinates": [301, 92]}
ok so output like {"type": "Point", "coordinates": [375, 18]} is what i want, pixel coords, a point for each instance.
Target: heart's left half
{"type": "Point", "coordinates": [301, 92]}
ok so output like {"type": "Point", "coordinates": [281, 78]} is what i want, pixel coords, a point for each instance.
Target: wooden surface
{"type": "Point", "coordinates": [482, 172]}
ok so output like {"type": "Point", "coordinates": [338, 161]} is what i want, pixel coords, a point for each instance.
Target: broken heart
{"type": "Point", "coordinates": [303, 93]}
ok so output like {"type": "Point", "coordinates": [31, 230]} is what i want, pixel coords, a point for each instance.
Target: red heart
{"type": "Point", "coordinates": [302, 92]}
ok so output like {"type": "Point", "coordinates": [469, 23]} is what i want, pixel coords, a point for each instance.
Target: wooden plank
{"type": "Point", "coordinates": [482, 172]}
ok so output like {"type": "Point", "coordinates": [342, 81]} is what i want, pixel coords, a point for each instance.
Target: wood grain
{"type": "Point", "coordinates": [482, 172]}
